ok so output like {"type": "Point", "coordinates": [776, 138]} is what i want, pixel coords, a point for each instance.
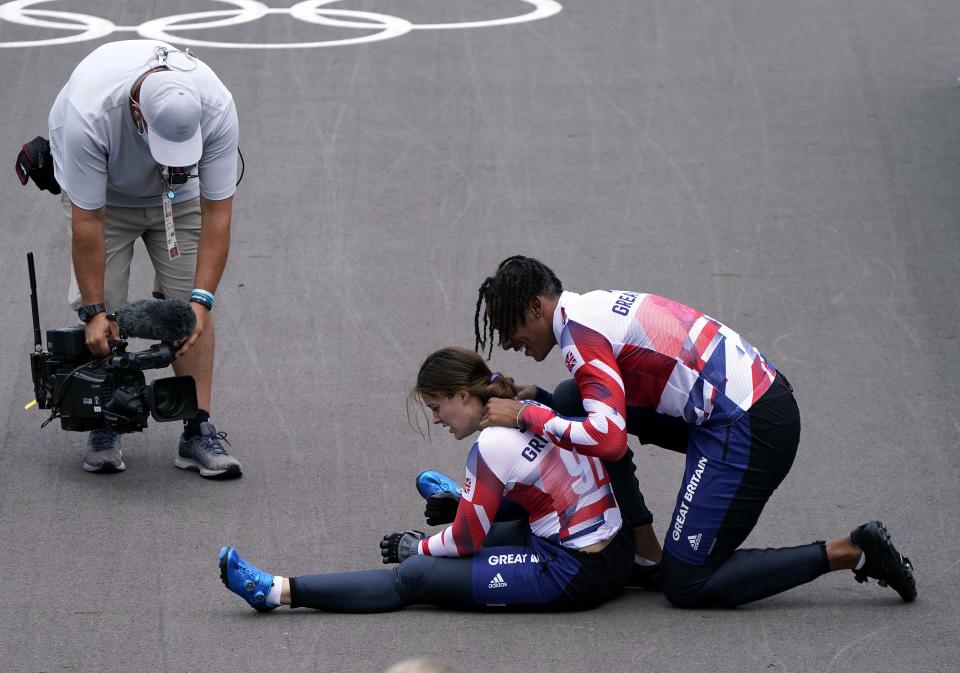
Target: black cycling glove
{"type": "Point", "coordinates": [395, 547]}
{"type": "Point", "coordinates": [441, 508]}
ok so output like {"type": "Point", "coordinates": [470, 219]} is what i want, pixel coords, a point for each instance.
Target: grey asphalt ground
{"type": "Point", "coordinates": [788, 167]}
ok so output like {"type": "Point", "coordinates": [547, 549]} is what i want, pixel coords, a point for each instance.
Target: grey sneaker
{"type": "Point", "coordinates": [206, 454]}
{"type": "Point", "coordinates": [103, 452]}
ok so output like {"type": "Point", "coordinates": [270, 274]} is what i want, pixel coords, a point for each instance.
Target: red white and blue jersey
{"type": "Point", "coordinates": [568, 495]}
{"type": "Point", "coordinates": [629, 349]}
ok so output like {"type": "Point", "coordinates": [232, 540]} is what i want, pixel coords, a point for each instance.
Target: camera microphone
{"type": "Point", "coordinates": [156, 319]}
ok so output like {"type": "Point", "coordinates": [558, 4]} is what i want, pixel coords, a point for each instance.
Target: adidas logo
{"type": "Point", "coordinates": [694, 540]}
{"type": "Point", "coordinates": [497, 582]}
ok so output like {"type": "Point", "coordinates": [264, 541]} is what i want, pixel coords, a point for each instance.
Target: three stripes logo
{"type": "Point", "coordinates": [497, 582]}
{"type": "Point", "coordinates": [694, 540]}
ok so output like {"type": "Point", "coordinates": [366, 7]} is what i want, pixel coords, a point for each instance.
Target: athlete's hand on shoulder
{"type": "Point", "coordinates": [501, 412]}
{"type": "Point", "coordinates": [441, 508]}
{"type": "Point", "coordinates": [526, 392]}
{"type": "Point", "coordinates": [396, 547]}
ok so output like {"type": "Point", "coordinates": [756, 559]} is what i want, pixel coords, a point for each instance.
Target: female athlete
{"type": "Point", "coordinates": [572, 553]}
{"type": "Point", "coordinates": [674, 377]}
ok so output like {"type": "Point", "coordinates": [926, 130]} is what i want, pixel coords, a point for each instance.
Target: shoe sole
{"type": "Point", "coordinates": [105, 468]}
{"type": "Point", "coordinates": [885, 546]}
{"type": "Point", "coordinates": [223, 566]}
{"type": "Point", "coordinates": [232, 472]}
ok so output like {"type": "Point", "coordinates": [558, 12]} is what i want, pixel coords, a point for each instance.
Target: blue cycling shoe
{"type": "Point", "coordinates": [249, 583]}
{"type": "Point", "coordinates": [431, 482]}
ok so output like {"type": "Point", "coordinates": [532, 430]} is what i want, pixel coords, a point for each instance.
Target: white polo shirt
{"type": "Point", "coordinates": [100, 158]}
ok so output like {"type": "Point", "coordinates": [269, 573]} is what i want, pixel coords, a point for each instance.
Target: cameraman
{"type": "Point", "coordinates": [144, 144]}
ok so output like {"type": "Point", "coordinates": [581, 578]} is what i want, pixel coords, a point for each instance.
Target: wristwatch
{"type": "Point", "coordinates": [87, 311]}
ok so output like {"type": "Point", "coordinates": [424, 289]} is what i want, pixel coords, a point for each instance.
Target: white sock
{"type": "Point", "coordinates": [642, 561]}
{"type": "Point", "coordinates": [863, 559]}
{"type": "Point", "coordinates": [273, 598]}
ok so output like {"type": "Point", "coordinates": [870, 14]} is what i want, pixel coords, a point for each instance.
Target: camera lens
{"type": "Point", "coordinates": [173, 398]}
{"type": "Point", "coordinates": [167, 402]}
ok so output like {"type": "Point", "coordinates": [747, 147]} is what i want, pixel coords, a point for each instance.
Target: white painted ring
{"type": "Point", "coordinates": [19, 12]}
{"type": "Point", "coordinates": [315, 12]}
{"type": "Point", "coordinates": [542, 9]}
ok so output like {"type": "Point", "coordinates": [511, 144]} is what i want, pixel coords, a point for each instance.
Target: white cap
{"type": "Point", "coordinates": [170, 105]}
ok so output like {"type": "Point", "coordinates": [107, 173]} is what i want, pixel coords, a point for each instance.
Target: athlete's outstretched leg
{"type": "Point", "coordinates": [418, 580]}
{"type": "Point", "coordinates": [534, 575]}
{"type": "Point", "coordinates": [523, 573]}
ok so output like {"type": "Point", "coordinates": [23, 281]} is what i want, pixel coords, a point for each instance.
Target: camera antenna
{"type": "Point", "coordinates": [37, 340]}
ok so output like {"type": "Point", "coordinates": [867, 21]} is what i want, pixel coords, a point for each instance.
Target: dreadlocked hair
{"type": "Point", "coordinates": [507, 294]}
{"type": "Point", "coordinates": [449, 370]}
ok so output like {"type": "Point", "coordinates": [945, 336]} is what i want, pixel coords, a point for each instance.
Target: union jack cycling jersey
{"type": "Point", "coordinates": [630, 349]}
{"type": "Point", "coordinates": [568, 495]}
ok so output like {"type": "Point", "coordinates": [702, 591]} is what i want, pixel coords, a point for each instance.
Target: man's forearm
{"type": "Point", "coordinates": [89, 252]}
{"type": "Point", "coordinates": [215, 217]}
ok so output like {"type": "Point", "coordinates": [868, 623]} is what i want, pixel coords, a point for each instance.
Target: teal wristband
{"type": "Point", "coordinates": [202, 297]}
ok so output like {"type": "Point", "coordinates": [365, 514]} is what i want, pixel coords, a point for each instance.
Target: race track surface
{"type": "Point", "coordinates": [788, 167]}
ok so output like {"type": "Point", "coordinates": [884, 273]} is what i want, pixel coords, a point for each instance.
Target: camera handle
{"type": "Point", "coordinates": [157, 356]}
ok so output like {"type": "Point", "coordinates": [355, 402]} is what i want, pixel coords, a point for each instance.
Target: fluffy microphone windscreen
{"type": "Point", "coordinates": [157, 319]}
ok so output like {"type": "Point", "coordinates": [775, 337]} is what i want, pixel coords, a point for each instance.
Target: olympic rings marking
{"type": "Point", "coordinates": [383, 26]}
{"type": "Point", "coordinates": [17, 12]}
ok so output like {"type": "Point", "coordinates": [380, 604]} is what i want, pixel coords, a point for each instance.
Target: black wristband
{"type": "Point", "coordinates": [196, 299]}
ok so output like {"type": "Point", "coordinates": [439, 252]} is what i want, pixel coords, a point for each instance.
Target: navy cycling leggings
{"type": "Point", "coordinates": [731, 472]}
{"type": "Point", "coordinates": [514, 570]}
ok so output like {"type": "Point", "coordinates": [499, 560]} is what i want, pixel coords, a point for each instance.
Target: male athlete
{"type": "Point", "coordinates": [675, 377]}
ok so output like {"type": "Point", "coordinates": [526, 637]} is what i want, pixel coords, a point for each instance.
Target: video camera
{"type": "Point", "coordinates": [86, 392]}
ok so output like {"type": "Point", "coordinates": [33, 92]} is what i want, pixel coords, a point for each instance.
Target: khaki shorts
{"type": "Point", "coordinates": [174, 278]}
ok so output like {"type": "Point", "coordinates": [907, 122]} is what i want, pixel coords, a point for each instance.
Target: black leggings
{"type": "Point", "coordinates": [514, 570]}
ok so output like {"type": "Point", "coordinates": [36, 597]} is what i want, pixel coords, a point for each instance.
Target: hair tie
{"type": "Point", "coordinates": [493, 377]}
